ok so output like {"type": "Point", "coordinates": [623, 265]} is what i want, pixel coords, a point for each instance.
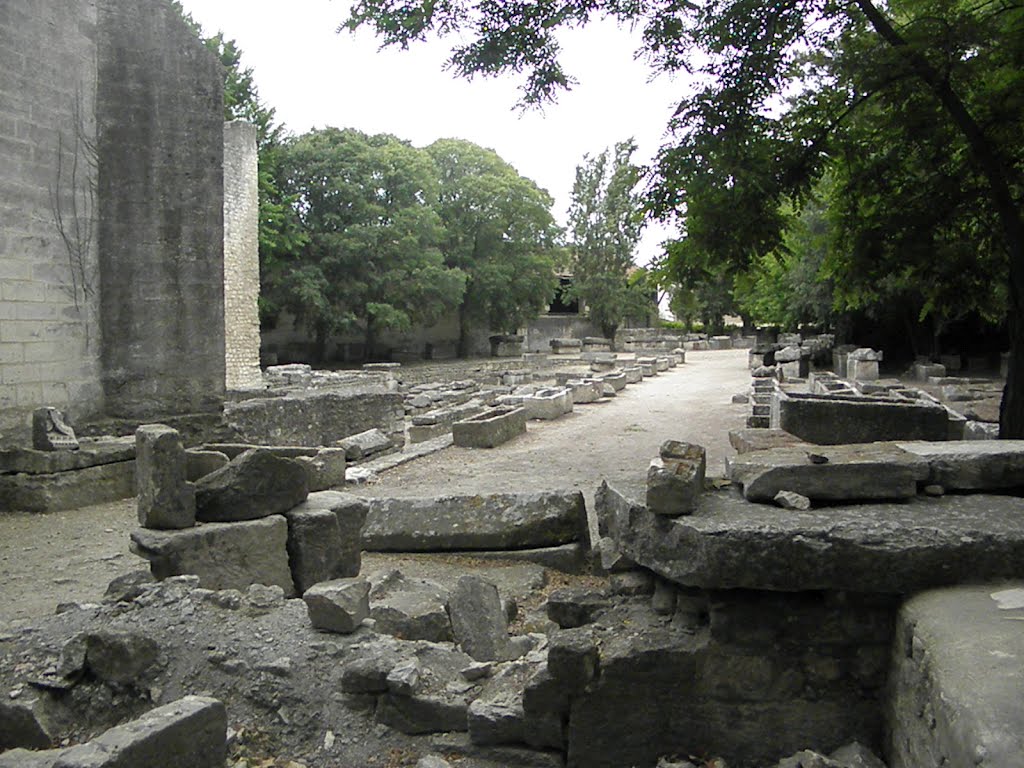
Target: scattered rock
{"type": "Point", "coordinates": [370, 442]}
{"type": "Point", "coordinates": [165, 497]}
{"type": "Point", "coordinates": [128, 586]}
{"type": "Point", "coordinates": [791, 500]}
{"type": "Point", "coordinates": [339, 605]}
{"type": "Point", "coordinates": [410, 609]}
{"type": "Point", "coordinates": [112, 657]}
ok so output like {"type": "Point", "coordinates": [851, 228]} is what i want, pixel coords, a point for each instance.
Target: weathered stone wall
{"type": "Point", "coordinates": [49, 334]}
{"type": "Point", "coordinates": [241, 257]}
{"type": "Point", "coordinates": [160, 149]}
{"type": "Point", "coordinates": [541, 331]}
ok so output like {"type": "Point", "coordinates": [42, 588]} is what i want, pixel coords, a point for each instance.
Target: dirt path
{"type": "Point", "coordinates": [72, 556]}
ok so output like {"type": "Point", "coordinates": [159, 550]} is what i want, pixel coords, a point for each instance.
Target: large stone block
{"type": "Point", "coordinates": [67, 490]}
{"type": "Point", "coordinates": [165, 497]}
{"type": "Point", "coordinates": [889, 548]}
{"type": "Point", "coordinates": [490, 428]}
{"type": "Point", "coordinates": [835, 419]}
{"type": "Point", "coordinates": [499, 521]}
{"type": "Point", "coordinates": [829, 473]}
{"type": "Point", "coordinates": [255, 484]}
{"type": "Point", "coordinates": [315, 418]}
{"type": "Point", "coordinates": [222, 555]}
{"type": "Point", "coordinates": [325, 537]}
{"type": "Point", "coordinates": [976, 465]}
{"type": "Point", "coordinates": [189, 733]}
{"type": "Point", "coordinates": [955, 692]}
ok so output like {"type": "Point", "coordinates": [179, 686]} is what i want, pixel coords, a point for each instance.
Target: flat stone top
{"type": "Point", "coordinates": [962, 448]}
{"type": "Point", "coordinates": [898, 548]}
{"type": "Point", "coordinates": [93, 452]}
{"type": "Point", "coordinates": [974, 640]}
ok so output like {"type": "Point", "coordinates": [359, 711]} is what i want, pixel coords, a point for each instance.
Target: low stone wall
{"type": "Point", "coordinates": [314, 418]}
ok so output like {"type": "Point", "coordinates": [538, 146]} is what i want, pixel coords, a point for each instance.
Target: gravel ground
{"type": "Point", "coordinates": [72, 556]}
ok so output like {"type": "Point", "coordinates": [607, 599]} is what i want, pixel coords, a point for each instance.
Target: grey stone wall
{"type": "Point", "coordinates": [49, 334]}
{"type": "Point", "coordinates": [160, 150]}
{"type": "Point", "coordinates": [241, 257]}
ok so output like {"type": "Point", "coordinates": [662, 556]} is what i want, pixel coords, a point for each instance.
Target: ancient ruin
{"type": "Point", "coordinates": [579, 551]}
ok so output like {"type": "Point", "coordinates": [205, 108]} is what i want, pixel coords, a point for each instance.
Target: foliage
{"type": "Point", "coordinates": [499, 233]}
{"type": "Point", "coordinates": [915, 105]}
{"type": "Point", "coordinates": [367, 207]}
{"type": "Point", "coordinates": [604, 227]}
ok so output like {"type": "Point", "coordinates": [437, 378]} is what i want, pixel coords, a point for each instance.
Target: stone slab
{"type": "Point", "coordinates": [496, 522]}
{"type": "Point", "coordinates": [188, 733]}
{"type": "Point", "coordinates": [92, 453]}
{"type": "Point", "coordinates": [984, 465]}
{"type": "Point", "coordinates": [851, 472]}
{"type": "Point", "coordinates": [222, 555]}
{"type": "Point", "coordinates": [895, 548]}
{"type": "Point", "coordinates": [67, 490]}
{"type": "Point", "coordinates": [956, 694]}
{"type": "Point", "coordinates": [748, 440]}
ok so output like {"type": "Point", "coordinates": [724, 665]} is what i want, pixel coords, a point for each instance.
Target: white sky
{"type": "Point", "coordinates": [315, 77]}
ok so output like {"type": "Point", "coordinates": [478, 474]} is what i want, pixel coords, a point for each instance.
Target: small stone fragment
{"type": "Point", "coordinates": [934, 490]}
{"type": "Point", "coordinates": [791, 500]}
{"type": "Point", "coordinates": [403, 678]}
{"type": "Point", "coordinates": [575, 607]}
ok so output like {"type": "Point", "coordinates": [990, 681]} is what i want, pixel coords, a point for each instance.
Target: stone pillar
{"type": "Point", "coordinates": [241, 257]}
{"type": "Point", "coordinates": [160, 150]}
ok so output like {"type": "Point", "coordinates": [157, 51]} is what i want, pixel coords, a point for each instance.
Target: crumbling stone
{"type": "Point", "coordinates": [199, 463]}
{"type": "Point", "coordinates": [254, 485]}
{"type": "Point", "coordinates": [496, 716]}
{"type": "Point", "coordinates": [411, 609]}
{"type": "Point", "coordinates": [339, 606]}
{"type": "Point", "coordinates": [675, 480]}
{"type": "Point", "coordinates": [790, 500]}
{"type": "Point", "coordinates": [325, 469]}
{"type": "Point", "coordinates": [113, 657]}
{"type": "Point", "coordinates": [23, 724]}
{"type": "Point", "coordinates": [479, 625]}
{"type": "Point", "coordinates": [569, 607]}
{"type": "Point", "coordinates": [166, 500]}
{"type": "Point", "coordinates": [573, 658]}
{"type": "Point", "coordinates": [51, 432]}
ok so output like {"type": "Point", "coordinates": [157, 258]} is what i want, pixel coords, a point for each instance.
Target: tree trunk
{"type": "Point", "coordinates": [320, 350]}
{"type": "Point", "coordinates": [463, 350]}
{"type": "Point", "coordinates": [994, 169]}
{"type": "Point", "coordinates": [369, 340]}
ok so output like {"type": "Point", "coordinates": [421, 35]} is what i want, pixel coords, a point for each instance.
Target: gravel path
{"type": "Point", "coordinates": [72, 556]}
{"type": "Point", "coordinates": [613, 439]}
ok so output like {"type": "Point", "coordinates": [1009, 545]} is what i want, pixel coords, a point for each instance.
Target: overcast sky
{"type": "Point", "coordinates": [315, 77]}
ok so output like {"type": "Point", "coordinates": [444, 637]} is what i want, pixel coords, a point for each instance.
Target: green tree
{"type": "Point", "coordinates": [499, 232]}
{"type": "Point", "coordinates": [371, 258]}
{"type": "Point", "coordinates": [604, 226]}
{"type": "Point", "coordinates": [740, 149]}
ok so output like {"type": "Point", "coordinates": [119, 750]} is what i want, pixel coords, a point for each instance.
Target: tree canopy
{"type": "Point", "coordinates": [605, 221]}
{"type": "Point", "coordinates": [367, 205]}
{"type": "Point", "coordinates": [499, 232]}
{"type": "Point", "coordinates": [914, 105]}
